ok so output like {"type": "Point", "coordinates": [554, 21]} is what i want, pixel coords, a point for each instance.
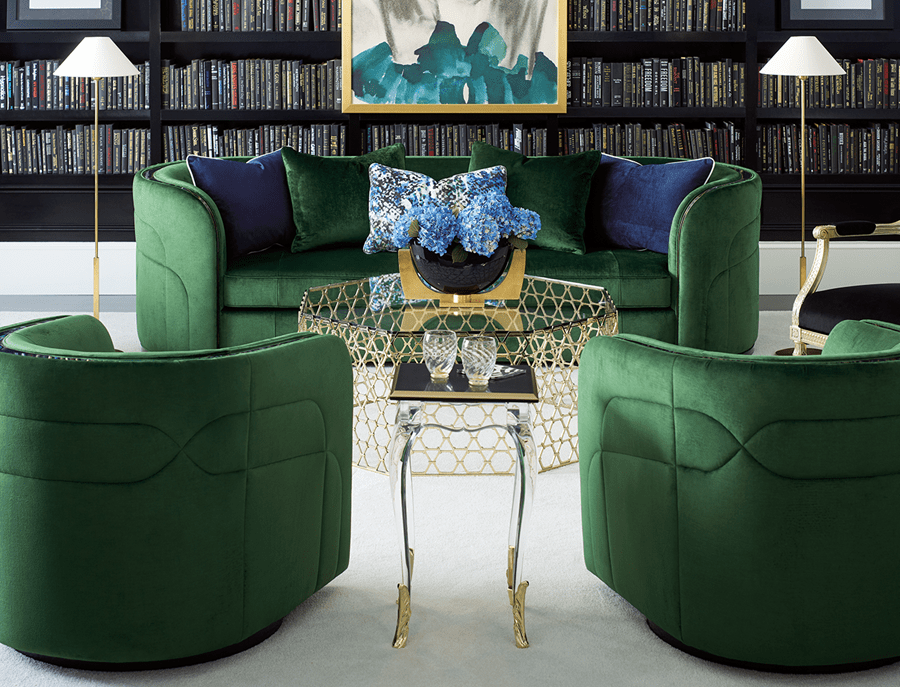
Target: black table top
{"type": "Point", "coordinates": [413, 383]}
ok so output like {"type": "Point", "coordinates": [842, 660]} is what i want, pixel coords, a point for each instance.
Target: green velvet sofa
{"type": "Point", "coordinates": [747, 506]}
{"type": "Point", "coordinates": [160, 509]}
{"type": "Point", "coordinates": [703, 293]}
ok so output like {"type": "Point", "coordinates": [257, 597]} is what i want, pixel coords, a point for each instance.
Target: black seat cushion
{"type": "Point", "coordinates": [824, 309]}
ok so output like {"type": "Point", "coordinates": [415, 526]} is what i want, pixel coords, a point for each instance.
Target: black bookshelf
{"type": "Point", "coordinates": [51, 207]}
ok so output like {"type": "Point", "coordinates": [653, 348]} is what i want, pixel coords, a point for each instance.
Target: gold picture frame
{"type": "Point", "coordinates": [391, 50]}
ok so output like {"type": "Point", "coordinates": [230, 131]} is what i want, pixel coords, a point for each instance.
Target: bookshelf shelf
{"type": "Point", "coordinates": [653, 113]}
{"type": "Point", "coordinates": [60, 206]}
{"type": "Point", "coordinates": [69, 37]}
{"type": "Point", "coordinates": [644, 37]}
{"type": "Point", "coordinates": [243, 37]}
{"type": "Point", "coordinates": [72, 116]}
{"type": "Point", "coordinates": [244, 116]}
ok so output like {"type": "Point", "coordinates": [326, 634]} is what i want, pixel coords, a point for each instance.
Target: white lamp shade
{"type": "Point", "coordinates": [802, 56]}
{"type": "Point", "coordinates": [96, 56]}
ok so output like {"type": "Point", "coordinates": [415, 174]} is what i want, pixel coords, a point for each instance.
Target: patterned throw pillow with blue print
{"type": "Point", "coordinates": [393, 193]}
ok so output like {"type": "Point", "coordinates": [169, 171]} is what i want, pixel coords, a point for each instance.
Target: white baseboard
{"type": "Point", "coordinates": [64, 269]}
{"type": "Point", "coordinates": [61, 269]}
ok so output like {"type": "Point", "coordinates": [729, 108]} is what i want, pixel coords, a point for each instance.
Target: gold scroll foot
{"type": "Point", "coordinates": [516, 600]}
{"type": "Point", "coordinates": [404, 611]}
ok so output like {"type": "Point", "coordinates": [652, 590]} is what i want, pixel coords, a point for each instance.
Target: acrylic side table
{"type": "Point", "coordinates": [517, 392]}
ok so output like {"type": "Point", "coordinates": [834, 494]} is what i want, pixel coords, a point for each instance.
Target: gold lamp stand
{"type": "Point", "coordinates": [96, 57]}
{"type": "Point", "coordinates": [802, 56]}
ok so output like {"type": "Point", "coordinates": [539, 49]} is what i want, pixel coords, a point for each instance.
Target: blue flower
{"type": "Point", "coordinates": [480, 224]}
{"type": "Point", "coordinates": [478, 228]}
{"type": "Point", "coordinates": [438, 226]}
{"type": "Point", "coordinates": [526, 223]}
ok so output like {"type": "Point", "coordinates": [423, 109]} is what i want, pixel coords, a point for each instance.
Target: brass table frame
{"type": "Point", "coordinates": [546, 328]}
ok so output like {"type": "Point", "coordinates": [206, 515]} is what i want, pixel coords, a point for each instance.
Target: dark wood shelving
{"type": "Point", "coordinates": [644, 37]}
{"type": "Point", "coordinates": [664, 113]}
{"type": "Point", "coordinates": [291, 37]}
{"type": "Point", "coordinates": [244, 116]}
{"type": "Point", "coordinates": [60, 207]}
{"type": "Point", "coordinates": [72, 116]}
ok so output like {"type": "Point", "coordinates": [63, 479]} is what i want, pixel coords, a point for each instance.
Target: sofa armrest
{"type": "Point", "coordinates": [180, 262]}
{"type": "Point", "coordinates": [714, 262]}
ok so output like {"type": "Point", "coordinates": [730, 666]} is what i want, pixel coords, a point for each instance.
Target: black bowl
{"type": "Point", "coordinates": [475, 274]}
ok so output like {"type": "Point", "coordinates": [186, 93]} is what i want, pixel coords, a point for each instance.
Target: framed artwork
{"type": "Point", "coordinates": [454, 56]}
{"type": "Point", "coordinates": [837, 14]}
{"type": "Point", "coordinates": [63, 14]}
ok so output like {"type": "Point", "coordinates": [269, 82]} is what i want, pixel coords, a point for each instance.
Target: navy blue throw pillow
{"type": "Point", "coordinates": [638, 202]}
{"type": "Point", "coordinates": [252, 197]}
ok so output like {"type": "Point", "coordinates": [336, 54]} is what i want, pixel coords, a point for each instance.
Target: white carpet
{"type": "Point", "coordinates": [461, 630]}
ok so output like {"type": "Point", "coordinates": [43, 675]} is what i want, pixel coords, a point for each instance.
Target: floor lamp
{"type": "Point", "coordinates": [96, 57]}
{"type": "Point", "coordinates": [802, 56]}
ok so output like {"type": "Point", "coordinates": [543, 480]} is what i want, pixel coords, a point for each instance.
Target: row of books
{"type": "Point", "coordinates": [31, 85]}
{"type": "Point", "coordinates": [62, 150]}
{"type": "Point", "coordinates": [831, 148]}
{"type": "Point", "coordinates": [657, 15]}
{"type": "Point", "coordinates": [209, 140]}
{"type": "Point", "coordinates": [722, 142]}
{"type": "Point", "coordinates": [260, 15]}
{"type": "Point", "coordinates": [867, 84]}
{"type": "Point", "coordinates": [655, 82]}
{"type": "Point", "coordinates": [454, 139]}
{"type": "Point", "coordinates": [251, 84]}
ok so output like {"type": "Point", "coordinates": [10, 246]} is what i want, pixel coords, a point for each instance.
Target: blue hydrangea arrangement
{"type": "Point", "coordinates": [477, 228]}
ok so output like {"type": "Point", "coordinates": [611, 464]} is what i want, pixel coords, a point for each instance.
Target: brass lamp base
{"type": "Point", "coordinates": [414, 287]}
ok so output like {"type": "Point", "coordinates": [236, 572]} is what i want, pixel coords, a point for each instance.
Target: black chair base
{"type": "Point", "coordinates": [767, 667]}
{"type": "Point", "coordinates": [248, 643]}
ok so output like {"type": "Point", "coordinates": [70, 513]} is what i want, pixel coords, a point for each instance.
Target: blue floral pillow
{"type": "Point", "coordinates": [393, 193]}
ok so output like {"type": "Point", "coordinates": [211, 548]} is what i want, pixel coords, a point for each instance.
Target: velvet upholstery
{"type": "Point", "coordinates": [822, 310]}
{"type": "Point", "coordinates": [638, 201]}
{"type": "Point", "coordinates": [746, 505]}
{"type": "Point", "coordinates": [252, 198]}
{"type": "Point", "coordinates": [330, 195]}
{"type": "Point", "coordinates": [704, 293]}
{"type": "Point", "coordinates": [159, 506]}
{"type": "Point", "coordinates": [557, 188]}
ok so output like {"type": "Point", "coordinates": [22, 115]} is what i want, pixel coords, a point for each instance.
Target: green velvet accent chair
{"type": "Point", "coordinates": [747, 505]}
{"type": "Point", "coordinates": [158, 509]}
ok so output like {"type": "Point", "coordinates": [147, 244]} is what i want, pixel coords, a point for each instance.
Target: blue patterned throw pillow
{"type": "Point", "coordinates": [393, 193]}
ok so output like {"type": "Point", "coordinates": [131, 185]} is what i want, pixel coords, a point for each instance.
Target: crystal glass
{"type": "Point", "coordinates": [479, 353]}
{"type": "Point", "coordinates": [439, 352]}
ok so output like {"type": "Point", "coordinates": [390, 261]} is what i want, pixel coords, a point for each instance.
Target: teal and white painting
{"type": "Point", "coordinates": [454, 55]}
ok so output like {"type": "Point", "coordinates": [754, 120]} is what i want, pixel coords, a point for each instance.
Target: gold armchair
{"type": "Point", "coordinates": [816, 312]}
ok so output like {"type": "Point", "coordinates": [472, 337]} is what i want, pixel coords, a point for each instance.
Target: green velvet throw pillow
{"type": "Point", "coordinates": [557, 188]}
{"type": "Point", "coordinates": [330, 196]}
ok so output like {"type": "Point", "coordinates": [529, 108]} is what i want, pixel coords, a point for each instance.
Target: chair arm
{"type": "Point", "coordinates": [180, 264]}
{"type": "Point", "coordinates": [58, 336]}
{"type": "Point", "coordinates": [855, 228]}
{"type": "Point", "coordinates": [824, 234]}
{"type": "Point", "coordinates": [714, 262]}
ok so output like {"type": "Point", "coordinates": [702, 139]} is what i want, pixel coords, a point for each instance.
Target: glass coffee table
{"type": "Point", "coordinates": [546, 328]}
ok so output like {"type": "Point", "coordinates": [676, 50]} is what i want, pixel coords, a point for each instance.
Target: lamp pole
{"type": "Point", "coordinates": [802, 180]}
{"type": "Point", "coordinates": [96, 197]}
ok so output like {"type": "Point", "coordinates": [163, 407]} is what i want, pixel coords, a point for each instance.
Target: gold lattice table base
{"type": "Point", "coordinates": [547, 329]}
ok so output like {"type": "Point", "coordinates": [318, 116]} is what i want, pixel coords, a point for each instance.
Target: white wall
{"type": "Point", "coordinates": [66, 268]}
